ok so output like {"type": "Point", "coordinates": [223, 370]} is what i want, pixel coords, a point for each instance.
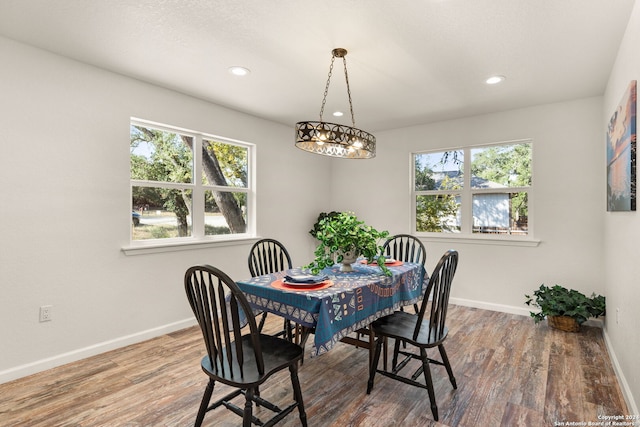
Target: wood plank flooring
{"type": "Point", "coordinates": [509, 373]}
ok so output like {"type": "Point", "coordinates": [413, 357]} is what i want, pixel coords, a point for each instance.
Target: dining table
{"type": "Point", "coordinates": [340, 304]}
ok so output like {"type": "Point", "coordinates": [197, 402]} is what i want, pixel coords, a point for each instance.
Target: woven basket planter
{"type": "Point", "coordinates": [564, 323]}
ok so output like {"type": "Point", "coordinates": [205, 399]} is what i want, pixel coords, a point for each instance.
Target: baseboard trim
{"type": "Point", "coordinates": [626, 390]}
{"type": "Point", "coordinates": [524, 311]}
{"type": "Point", "coordinates": [82, 353]}
{"type": "Point", "coordinates": [490, 306]}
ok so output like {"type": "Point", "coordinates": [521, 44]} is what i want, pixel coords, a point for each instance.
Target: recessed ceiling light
{"type": "Point", "coordinates": [338, 114]}
{"type": "Point", "coordinates": [493, 80]}
{"type": "Point", "coordinates": [239, 71]}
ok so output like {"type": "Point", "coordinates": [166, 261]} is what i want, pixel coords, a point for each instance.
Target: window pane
{"type": "Point", "coordinates": [501, 166]}
{"type": "Point", "coordinates": [439, 171]}
{"type": "Point", "coordinates": [225, 212]}
{"type": "Point", "coordinates": [224, 164]}
{"type": "Point", "coordinates": [438, 213]}
{"type": "Point", "coordinates": [160, 213]}
{"type": "Point", "coordinates": [500, 213]}
{"type": "Point", "coordinates": [162, 156]}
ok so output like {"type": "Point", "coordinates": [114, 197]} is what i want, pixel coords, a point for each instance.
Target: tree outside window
{"type": "Point", "coordinates": [169, 202]}
{"type": "Point", "coordinates": [489, 194]}
{"type": "Point", "coordinates": [439, 179]}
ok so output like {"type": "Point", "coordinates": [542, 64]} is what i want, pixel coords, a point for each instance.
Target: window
{"type": "Point", "coordinates": [187, 185]}
{"type": "Point", "coordinates": [475, 190]}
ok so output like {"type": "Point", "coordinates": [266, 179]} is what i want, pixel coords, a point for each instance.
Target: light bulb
{"type": "Point", "coordinates": [494, 80]}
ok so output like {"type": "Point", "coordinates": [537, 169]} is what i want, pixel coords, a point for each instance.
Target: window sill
{"type": "Point", "coordinates": [481, 240]}
{"type": "Point", "coordinates": [144, 248]}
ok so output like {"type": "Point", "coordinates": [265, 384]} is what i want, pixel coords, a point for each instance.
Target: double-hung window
{"type": "Point", "coordinates": [479, 190]}
{"type": "Point", "coordinates": [188, 186]}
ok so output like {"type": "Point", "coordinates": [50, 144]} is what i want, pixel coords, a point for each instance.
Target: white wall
{"type": "Point", "coordinates": [622, 234]}
{"type": "Point", "coordinates": [567, 205]}
{"type": "Point", "coordinates": [64, 208]}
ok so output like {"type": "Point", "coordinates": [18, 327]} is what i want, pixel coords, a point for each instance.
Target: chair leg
{"type": "Point", "coordinates": [287, 328]}
{"type": "Point", "coordinates": [372, 338]}
{"type": "Point", "coordinates": [303, 332]}
{"type": "Point", "coordinates": [385, 353]}
{"type": "Point", "coordinates": [256, 393]}
{"type": "Point", "coordinates": [248, 408]}
{"type": "Point", "coordinates": [262, 319]}
{"type": "Point", "coordinates": [429, 382]}
{"type": "Point", "coordinates": [373, 367]}
{"type": "Point", "coordinates": [396, 351]}
{"type": "Point", "coordinates": [447, 365]}
{"type": "Point", "coordinates": [204, 403]}
{"type": "Point", "coordinates": [297, 393]}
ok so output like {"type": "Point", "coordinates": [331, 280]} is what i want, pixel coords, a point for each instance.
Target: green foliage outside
{"type": "Point", "coordinates": [163, 231]}
{"type": "Point", "coordinates": [233, 164]}
{"type": "Point", "coordinates": [434, 212]}
{"type": "Point", "coordinates": [169, 160]}
{"type": "Point", "coordinates": [508, 165]}
{"type": "Point", "coordinates": [166, 157]}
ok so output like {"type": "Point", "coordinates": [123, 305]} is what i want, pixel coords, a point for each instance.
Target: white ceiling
{"type": "Point", "coordinates": [409, 61]}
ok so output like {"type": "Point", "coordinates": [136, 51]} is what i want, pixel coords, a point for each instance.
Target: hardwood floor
{"type": "Point", "coordinates": [509, 373]}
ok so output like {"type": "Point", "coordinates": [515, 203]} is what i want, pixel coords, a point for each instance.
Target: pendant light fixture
{"type": "Point", "coordinates": [331, 139]}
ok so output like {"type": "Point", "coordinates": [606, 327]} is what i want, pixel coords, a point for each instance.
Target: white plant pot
{"type": "Point", "coordinates": [348, 258]}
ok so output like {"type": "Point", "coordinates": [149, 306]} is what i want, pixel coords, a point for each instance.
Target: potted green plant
{"type": "Point", "coordinates": [564, 308]}
{"type": "Point", "coordinates": [342, 238]}
{"type": "Point", "coordinates": [321, 216]}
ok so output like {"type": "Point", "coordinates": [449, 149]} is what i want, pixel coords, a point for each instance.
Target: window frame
{"type": "Point", "coordinates": [466, 200]}
{"type": "Point", "coordinates": [198, 238]}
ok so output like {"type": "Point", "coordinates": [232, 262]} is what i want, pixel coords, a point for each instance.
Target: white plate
{"type": "Point", "coordinates": [386, 261]}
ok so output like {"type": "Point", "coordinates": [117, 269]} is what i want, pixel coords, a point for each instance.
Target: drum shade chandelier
{"type": "Point", "coordinates": [331, 139]}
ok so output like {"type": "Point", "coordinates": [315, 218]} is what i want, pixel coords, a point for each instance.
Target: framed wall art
{"type": "Point", "coordinates": [621, 154]}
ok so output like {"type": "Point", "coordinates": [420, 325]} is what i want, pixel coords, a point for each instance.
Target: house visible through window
{"type": "Point", "coordinates": [473, 190]}
{"type": "Point", "coordinates": [188, 185]}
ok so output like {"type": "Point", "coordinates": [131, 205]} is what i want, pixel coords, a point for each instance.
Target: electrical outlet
{"type": "Point", "coordinates": [617, 316]}
{"type": "Point", "coordinates": [45, 313]}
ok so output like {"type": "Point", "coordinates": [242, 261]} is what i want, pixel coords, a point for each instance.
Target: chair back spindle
{"type": "Point", "coordinates": [439, 288]}
{"type": "Point", "coordinates": [268, 256]}
{"type": "Point", "coordinates": [220, 309]}
{"type": "Point", "coordinates": [406, 248]}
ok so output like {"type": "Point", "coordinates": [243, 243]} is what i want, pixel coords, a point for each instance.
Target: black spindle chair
{"type": "Point", "coordinates": [406, 248]}
{"type": "Point", "coordinates": [420, 332]}
{"type": "Point", "coordinates": [240, 361]}
{"type": "Point", "coordinates": [268, 256]}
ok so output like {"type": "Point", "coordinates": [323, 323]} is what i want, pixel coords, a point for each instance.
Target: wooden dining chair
{"type": "Point", "coordinates": [419, 332]}
{"type": "Point", "coordinates": [243, 362]}
{"type": "Point", "coordinates": [402, 247]}
{"type": "Point", "coordinates": [268, 256]}
{"type": "Point", "coordinates": [406, 248]}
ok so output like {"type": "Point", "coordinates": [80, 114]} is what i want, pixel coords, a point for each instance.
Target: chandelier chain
{"type": "Point", "coordinates": [346, 77]}
{"type": "Point", "coordinates": [326, 88]}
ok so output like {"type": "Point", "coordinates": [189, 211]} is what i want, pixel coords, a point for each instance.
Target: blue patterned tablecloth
{"type": "Point", "coordinates": [354, 301]}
